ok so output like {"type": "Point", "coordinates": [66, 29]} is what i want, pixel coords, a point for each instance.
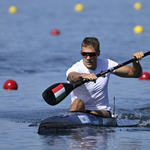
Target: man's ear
{"type": "Point", "coordinates": [99, 53]}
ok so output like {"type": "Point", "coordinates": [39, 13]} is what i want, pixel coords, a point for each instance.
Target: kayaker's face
{"type": "Point", "coordinates": [90, 57]}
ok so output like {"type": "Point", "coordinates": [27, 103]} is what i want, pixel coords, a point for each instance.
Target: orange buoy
{"type": "Point", "coordinates": [145, 76]}
{"type": "Point", "coordinates": [10, 85]}
{"type": "Point", "coordinates": [55, 32]}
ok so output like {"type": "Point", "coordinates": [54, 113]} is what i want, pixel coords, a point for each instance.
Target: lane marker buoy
{"type": "Point", "coordinates": [145, 76]}
{"type": "Point", "coordinates": [79, 7]}
{"type": "Point", "coordinates": [137, 6]}
{"type": "Point", "coordinates": [138, 29]}
{"type": "Point", "coordinates": [55, 32]}
{"type": "Point", "coordinates": [10, 85]}
{"type": "Point", "coordinates": [13, 10]}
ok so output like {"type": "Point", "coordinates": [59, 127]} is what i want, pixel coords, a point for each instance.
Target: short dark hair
{"type": "Point", "coordinates": [91, 41]}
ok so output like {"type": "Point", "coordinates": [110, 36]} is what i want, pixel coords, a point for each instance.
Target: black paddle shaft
{"type": "Point", "coordinates": [64, 89]}
{"type": "Point", "coordinates": [113, 68]}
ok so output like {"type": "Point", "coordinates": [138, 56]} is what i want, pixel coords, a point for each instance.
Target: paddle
{"type": "Point", "coordinates": [57, 92]}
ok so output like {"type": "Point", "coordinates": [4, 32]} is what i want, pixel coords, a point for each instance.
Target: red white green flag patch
{"type": "Point", "coordinates": [59, 92]}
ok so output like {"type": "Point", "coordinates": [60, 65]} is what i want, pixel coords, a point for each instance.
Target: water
{"type": "Point", "coordinates": [36, 60]}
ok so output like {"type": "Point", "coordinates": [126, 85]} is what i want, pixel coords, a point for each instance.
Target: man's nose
{"type": "Point", "coordinates": [88, 56]}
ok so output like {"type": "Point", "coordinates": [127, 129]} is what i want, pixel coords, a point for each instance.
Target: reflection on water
{"type": "Point", "coordinates": [84, 138]}
{"type": "Point", "coordinates": [94, 138]}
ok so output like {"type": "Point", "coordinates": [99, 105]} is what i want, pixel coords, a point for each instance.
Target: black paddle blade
{"type": "Point", "coordinates": [57, 92]}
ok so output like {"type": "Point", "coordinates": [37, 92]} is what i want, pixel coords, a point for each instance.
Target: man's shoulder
{"type": "Point", "coordinates": [76, 67]}
{"type": "Point", "coordinates": [101, 60]}
{"type": "Point", "coordinates": [78, 63]}
{"type": "Point", "coordinates": [106, 63]}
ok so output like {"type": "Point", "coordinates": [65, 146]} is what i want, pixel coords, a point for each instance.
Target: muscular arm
{"type": "Point", "coordinates": [74, 77]}
{"type": "Point", "coordinates": [134, 71]}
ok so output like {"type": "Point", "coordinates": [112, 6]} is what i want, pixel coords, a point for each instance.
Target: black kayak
{"type": "Point", "coordinates": [78, 119]}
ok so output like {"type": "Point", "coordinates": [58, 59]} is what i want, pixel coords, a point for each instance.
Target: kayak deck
{"type": "Point", "coordinates": [78, 119]}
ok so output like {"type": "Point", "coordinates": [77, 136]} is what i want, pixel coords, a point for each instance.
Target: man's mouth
{"type": "Point", "coordinates": [88, 63]}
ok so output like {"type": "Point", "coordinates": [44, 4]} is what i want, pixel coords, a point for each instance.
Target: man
{"type": "Point", "coordinates": [92, 97]}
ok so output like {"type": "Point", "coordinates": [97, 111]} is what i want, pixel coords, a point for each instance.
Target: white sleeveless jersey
{"type": "Point", "coordinates": [94, 95]}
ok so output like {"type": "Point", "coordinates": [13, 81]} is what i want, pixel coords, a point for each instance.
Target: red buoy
{"type": "Point", "coordinates": [145, 76]}
{"type": "Point", "coordinates": [55, 32]}
{"type": "Point", "coordinates": [10, 85]}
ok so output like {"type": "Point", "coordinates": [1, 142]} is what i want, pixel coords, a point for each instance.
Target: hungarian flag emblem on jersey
{"type": "Point", "coordinates": [59, 92]}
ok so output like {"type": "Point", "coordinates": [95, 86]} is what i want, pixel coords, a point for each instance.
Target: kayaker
{"type": "Point", "coordinates": [92, 97]}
